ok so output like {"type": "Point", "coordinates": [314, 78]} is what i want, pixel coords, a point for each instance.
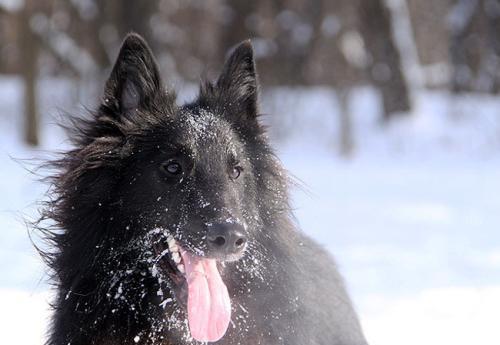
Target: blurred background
{"type": "Point", "coordinates": [386, 111]}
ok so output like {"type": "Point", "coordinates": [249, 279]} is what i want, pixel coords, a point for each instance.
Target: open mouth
{"type": "Point", "coordinates": [207, 300]}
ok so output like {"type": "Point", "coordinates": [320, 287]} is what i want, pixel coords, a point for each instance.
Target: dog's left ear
{"type": "Point", "coordinates": [135, 79]}
{"type": "Point", "coordinates": [238, 81]}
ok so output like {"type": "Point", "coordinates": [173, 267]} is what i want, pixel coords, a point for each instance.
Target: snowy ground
{"type": "Point", "coordinates": [413, 219]}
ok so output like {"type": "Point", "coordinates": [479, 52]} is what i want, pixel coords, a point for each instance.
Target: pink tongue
{"type": "Point", "coordinates": [209, 306]}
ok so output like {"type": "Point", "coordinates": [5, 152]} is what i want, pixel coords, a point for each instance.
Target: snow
{"type": "Point", "coordinates": [412, 218]}
{"type": "Point", "coordinates": [453, 315]}
{"type": "Point", "coordinates": [24, 316]}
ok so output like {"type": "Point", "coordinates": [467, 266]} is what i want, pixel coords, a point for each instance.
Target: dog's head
{"type": "Point", "coordinates": [180, 190]}
{"type": "Point", "coordinates": [190, 172]}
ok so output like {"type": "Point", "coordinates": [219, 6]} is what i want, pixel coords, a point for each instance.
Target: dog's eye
{"type": "Point", "coordinates": [235, 172]}
{"type": "Point", "coordinates": [172, 167]}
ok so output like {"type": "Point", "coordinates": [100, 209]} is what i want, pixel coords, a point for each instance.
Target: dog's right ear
{"type": "Point", "coordinates": [238, 81]}
{"type": "Point", "coordinates": [135, 80]}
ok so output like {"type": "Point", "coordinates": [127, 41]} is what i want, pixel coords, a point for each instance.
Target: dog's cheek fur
{"type": "Point", "coordinates": [101, 280]}
{"type": "Point", "coordinates": [88, 253]}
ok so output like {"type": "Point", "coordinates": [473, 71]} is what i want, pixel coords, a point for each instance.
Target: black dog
{"type": "Point", "coordinates": [173, 224]}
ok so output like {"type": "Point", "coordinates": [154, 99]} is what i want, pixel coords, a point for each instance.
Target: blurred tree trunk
{"type": "Point", "coordinates": [475, 45]}
{"type": "Point", "coordinates": [346, 142]}
{"type": "Point", "coordinates": [431, 40]}
{"type": "Point", "coordinates": [493, 61]}
{"type": "Point", "coordinates": [133, 15]}
{"type": "Point", "coordinates": [235, 32]}
{"type": "Point", "coordinates": [385, 65]}
{"type": "Point", "coordinates": [29, 55]}
{"type": "Point", "coordinates": [465, 50]}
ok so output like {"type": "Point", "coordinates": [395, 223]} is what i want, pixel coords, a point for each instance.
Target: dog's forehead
{"type": "Point", "coordinates": [203, 129]}
{"type": "Point", "coordinates": [203, 124]}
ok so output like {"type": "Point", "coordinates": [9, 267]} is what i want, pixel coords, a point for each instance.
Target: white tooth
{"type": "Point", "coordinates": [174, 248]}
{"type": "Point", "coordinates": [171, 242]}
{"type": "Point", "coordinates": [181, 269]}
{"type": "Point", "coordinates": [176, 257]}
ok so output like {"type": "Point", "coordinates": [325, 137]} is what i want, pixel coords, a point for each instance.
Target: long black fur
{"type": "Point", "coordinates": [108, 195]}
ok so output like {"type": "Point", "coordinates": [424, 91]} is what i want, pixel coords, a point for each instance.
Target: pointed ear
{"type": "Point", "coordinates": [135, 79]}
{"type": "Point", "coordinates": [238, 80]}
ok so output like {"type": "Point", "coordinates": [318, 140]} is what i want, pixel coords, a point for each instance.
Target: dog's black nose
{"type": "Point", "coordinates": [226, 238]}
